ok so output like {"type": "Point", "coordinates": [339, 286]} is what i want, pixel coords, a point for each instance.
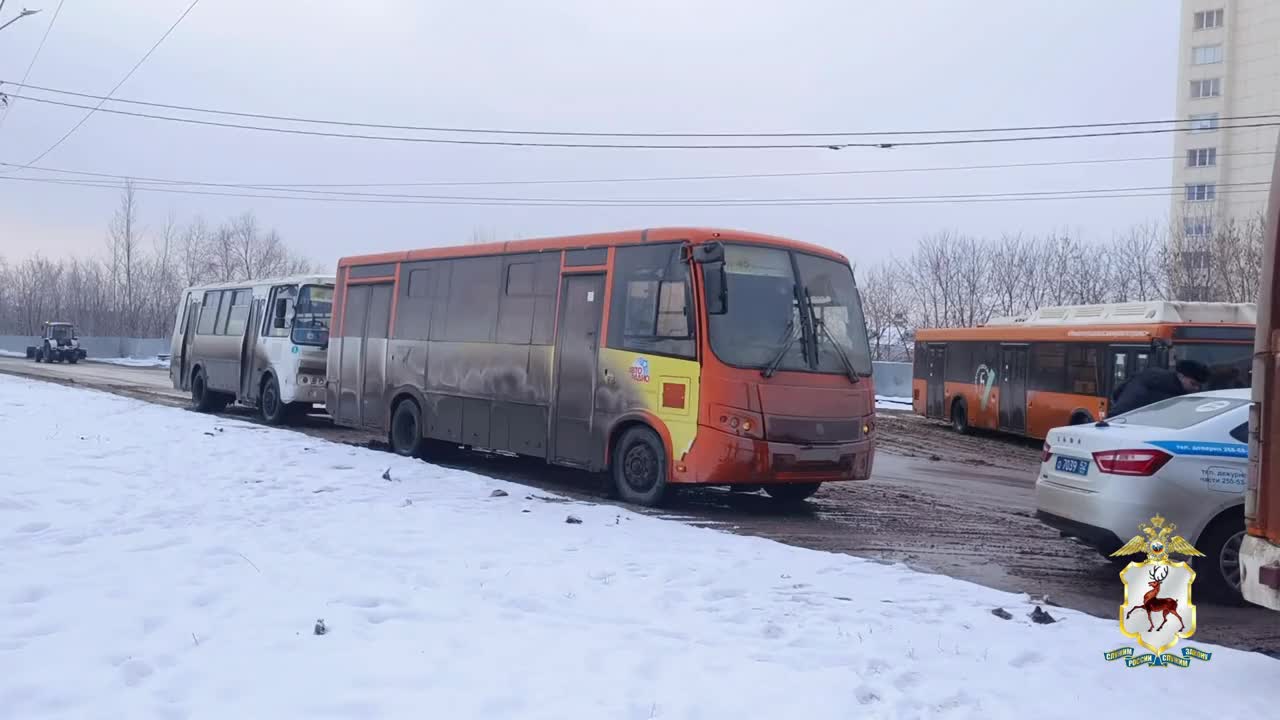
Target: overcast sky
{"type": "Point", "coordinates": [661, 66]}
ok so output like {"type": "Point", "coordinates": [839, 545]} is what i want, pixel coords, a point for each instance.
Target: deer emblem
{"type": "Point", "coordinates": [1154, 604]}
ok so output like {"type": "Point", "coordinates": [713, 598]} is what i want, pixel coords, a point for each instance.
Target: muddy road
{"type": "Point", "coordinates": [939, 502]}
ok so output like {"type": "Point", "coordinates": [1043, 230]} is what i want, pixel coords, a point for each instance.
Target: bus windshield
{"type": "Point", "coordinates": [312, 313]}
{"type": "Point", "coordinates": [763, 324]}
{"type": "Point", "coordinates": [1230, 364]}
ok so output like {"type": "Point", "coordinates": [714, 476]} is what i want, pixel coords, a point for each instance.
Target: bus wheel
{"type": "Point", "coordinates": [792, 492]}
{"type": "Point", "coordinates": [640, 467]}
{"type": "Point", "coordinates": [405, 435]}
{"type": "Point", "coordinates": [272, 410]}
{"type": "Point", "coordinates": [202, 398]}
{"type": "Point", "coordinates": [960, 417]}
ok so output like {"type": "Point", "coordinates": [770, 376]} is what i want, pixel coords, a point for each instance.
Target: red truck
{"type": "Point", "coordinates": [1260, 552]}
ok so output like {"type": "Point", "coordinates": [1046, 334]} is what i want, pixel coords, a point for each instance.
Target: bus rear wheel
{"type": "Point", "coordinates": [640, 467]}
{"type": "Point", "coordinates": [405, 435]}
{"type": "Point", "coordinates": [202, 398]}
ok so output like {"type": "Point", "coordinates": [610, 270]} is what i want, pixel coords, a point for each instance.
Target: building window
{"type": "Point", "coordinates": [1195, 259]}
{"type": "Point", "coordinates": [1211, 87]}
{"type": "Point", "coordinates": [1208, 19]}
{"type": "Point", "coordinates": [1200, 192]}
{"type": "Point", "coordinates": [1197, 227]}
{"type": "Point", "coordinates": [1202, 157]}
{"type": "Point", "coordinates": [1204, 122]}
{"type": "Point", "coordinates": [1206, 55]}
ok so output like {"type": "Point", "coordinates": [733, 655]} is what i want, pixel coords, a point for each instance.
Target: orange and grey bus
{"type": "Point", "coordinates": [666, 356]}
{"type": "Point", "coordinates": [1060, 365]}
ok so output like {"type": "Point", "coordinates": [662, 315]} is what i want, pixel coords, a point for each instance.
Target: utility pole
{"type": "Point", "coordinates": [25, 12]}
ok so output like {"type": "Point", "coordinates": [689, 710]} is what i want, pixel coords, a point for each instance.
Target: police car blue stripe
{"type": "Point", "coordinates": [1203, 449]}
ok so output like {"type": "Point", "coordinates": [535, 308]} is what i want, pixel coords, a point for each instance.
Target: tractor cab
{"type": "Point", "coordinates": [58, 343]}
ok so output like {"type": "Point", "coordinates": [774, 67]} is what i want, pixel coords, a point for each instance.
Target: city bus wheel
{"type": "Point", "coordinates": [405, 435]}
{"type": "Point", "coordinates": [792, 492]}
{"type": "Point", "coordinates": [272, 410]}
{"type": "Point", "coordinates": [640, 467]}
{"type": "Point", "coordinates": [960, 417]}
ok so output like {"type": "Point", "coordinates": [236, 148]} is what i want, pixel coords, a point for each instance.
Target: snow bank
{"type": "Point", "coordinates": [151, 362]}
{"type": "Point", "coordinates": [160, 563]}
{"type": "Point", "coordinates": [892, 403]}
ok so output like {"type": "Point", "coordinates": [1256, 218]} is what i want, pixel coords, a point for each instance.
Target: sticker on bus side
{"type": "Point", "coordinates": [640, 370]}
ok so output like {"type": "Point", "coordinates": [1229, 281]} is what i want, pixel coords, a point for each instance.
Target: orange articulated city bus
{"type": "Point", "coordinates": [666, 356]}
{"type": "Point", "coordinates": [1060, 365]}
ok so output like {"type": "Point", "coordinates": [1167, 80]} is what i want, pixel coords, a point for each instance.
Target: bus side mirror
{"type": "Point", "coordinates": [716, 284]}
{"type": "Point", "coordinates": [282, 308]}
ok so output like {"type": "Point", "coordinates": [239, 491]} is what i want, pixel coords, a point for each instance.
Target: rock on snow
{"type": "Point", "coordinates": [153, 569]}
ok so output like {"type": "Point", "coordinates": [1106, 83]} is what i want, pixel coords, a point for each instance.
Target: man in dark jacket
{"type": "Point", "coordinates": [1155, 384]}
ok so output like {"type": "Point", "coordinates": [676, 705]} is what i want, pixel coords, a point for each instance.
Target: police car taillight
{"type": "Point", "coordinates": [1046, 453]}
{"type": "Point", "coordinates": [1131, 462]}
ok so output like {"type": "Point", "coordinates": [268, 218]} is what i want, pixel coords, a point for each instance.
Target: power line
{"type": "Point", "coordinates": [623, 180]}
{"type": "Point", "coordinates": [582, 133]}
{"type": "Point", "coordinates": [106, 97]}
{"type": "Point", "coordinates": [628, 146]}
{"type": "Point", "coordinates": [36, 56]}
{"type": "Point", "coordinates": [373, 198]}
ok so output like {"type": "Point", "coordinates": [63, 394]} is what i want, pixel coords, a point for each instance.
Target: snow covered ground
{"type": "Point", "coordinates": [884, 402]}
{"type": "Point", "coordinates": [160, 563]}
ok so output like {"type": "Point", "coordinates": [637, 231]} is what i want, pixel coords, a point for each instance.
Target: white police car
{"type": "Point", "coordinates": [1185, 459]}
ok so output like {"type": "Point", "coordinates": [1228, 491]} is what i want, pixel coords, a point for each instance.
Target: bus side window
{"type": "Point", "coordinates": [1143, 359]}
{"type": "Point", "coordinates": [1119, 367]}
{"type": "Point", "coordinates": [652, 302]}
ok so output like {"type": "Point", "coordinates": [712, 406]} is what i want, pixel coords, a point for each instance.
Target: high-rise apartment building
{"type": "Point", "coordinates": [1228, 69]}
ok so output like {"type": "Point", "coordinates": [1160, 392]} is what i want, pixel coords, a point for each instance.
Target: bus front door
{"type": "Point", "coordinates": [935, 389]}
{"type": "Point", "coordinates": [577, 349]}
{"type": "Point", "coordinates": [1014, 363]}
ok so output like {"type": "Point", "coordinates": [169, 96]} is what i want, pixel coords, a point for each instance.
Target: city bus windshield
{"type": "Point", "coordinates": [770, 313]}
{"type": "Point", "coordinates": [1230, 364]}
{"type": "Point", "coordinates": [312, 313]}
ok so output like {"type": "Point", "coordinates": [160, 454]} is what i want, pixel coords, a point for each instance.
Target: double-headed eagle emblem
{"type": "Point", "coordinates": [1157, 543]}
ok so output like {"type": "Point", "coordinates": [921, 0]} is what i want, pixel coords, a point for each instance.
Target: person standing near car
{"type": "Point", "coordinates": [1155, 384]}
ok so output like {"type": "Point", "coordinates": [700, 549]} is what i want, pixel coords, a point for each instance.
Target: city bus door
{"type": "Point", "coordinates": [576, 359]}
{"type": "Point", "coordinates": [1014, 363]}
{"type": "Point", "coordinates": [935, 390]}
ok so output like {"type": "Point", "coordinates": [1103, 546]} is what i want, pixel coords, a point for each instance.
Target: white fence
{"type": "Point", "coordinates": [893, 379]}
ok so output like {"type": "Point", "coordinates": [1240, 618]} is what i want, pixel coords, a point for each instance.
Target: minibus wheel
{"type": "Point", "coordinates": [640, 467]}
{"type": "Point", "coordinates": [272, 410]}
{"type": "Point", "coordinates": [405, 435]}
{"type": "Point", "coordinates": [202, 398]}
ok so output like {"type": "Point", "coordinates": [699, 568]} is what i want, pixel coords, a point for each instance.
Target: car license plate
{"type": "Point", "coordinates": [1072, 465]}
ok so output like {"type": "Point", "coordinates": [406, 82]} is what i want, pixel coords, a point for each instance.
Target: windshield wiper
{"type": "Point", "coordinates": [822, 327]}
{"type": "Point", "coordinates": [777, 359]}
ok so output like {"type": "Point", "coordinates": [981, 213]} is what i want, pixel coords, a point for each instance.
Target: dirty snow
{"type": "Point", "coordinates": [158, 563]}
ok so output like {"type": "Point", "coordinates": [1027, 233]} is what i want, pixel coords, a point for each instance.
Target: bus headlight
{"type": "Point", "coordinates": [738, 422]}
